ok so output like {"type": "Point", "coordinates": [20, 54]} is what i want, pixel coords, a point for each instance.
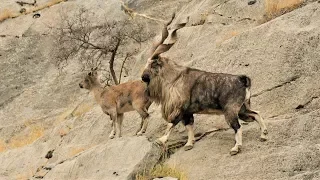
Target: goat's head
{"type": "Point", "coordinates": [90, 80]}
{"type": "Point", "coordinates": [155, 63]}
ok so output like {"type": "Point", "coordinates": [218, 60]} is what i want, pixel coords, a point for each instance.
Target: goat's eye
{"type": "Point", "coordinates": [156, 64]}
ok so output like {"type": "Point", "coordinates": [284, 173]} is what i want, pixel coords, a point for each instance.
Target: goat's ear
{"type": "Point", "coordinates": [95, 73]}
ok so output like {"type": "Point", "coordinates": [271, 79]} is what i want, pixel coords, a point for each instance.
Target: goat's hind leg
{"type": "Point", "coordinates": [231, 116]}
{"type": "Point", "coordinates": [248, 115]}
{"type": "Point", "coordinates": [260, 121]}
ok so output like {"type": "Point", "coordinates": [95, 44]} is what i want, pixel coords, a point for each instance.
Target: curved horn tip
{"type": "Point", "coordinates": [173, 15]}
{"type": "Point", "coordinates": [170, 21]}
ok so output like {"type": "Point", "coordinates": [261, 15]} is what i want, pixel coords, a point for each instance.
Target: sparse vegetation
{"type": "Point", "coordinates": [227, 36]}
{"type": "Point", "coordinates": [76, 150]}
{"type": "Point", "coordinates": [163, 170]}
{"type": "Point", "coordinates": [275, 8]}
{"type": "Point", "coordinates": [45, 5]}
{"type": "Point", "coordinates": [2, 146]}
{"type": "Point", "coordinates": [64, 115]}
{"type": "Point", "coordinates": [82, 109]}
{"type": "Point", "coordinates": [30, 135]}
{"type": "Point", "coordinates": [7, 13]}
{"type": "Point", "coordinates": [107, 45]}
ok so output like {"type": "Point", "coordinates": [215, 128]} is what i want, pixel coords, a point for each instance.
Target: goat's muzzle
{"type": "Point", "coordinates": [145, 78]}
{"type": "Point", "coordinates": [80, 85]}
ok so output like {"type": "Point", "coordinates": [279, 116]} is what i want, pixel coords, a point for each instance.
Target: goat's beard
{"type": "Point", "coordinates": [155, 89]}
{"type": "Point", "coordinates": [169, 94]}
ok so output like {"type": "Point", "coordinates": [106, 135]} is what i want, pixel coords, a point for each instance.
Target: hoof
{"type": "Point", "coordinates": [263, 138]}
{"type": "Point", "coordinates": [111, 136]}
{"type": "Point", "coordinates": [188, 147]}
{"type": "Point", "coordinates": [265, 132]}
{"type": "Point", "coordinates": [159, 142]}
{"type": "Point", "coordinates": [233, 152]}
{"type": "Point", "coordinates": [139, 134]}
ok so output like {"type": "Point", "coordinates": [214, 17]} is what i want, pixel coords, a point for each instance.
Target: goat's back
{"type": "Point", "coordinates": [125, 94]}
{"type": "Point", "coordinates": [213, 90]}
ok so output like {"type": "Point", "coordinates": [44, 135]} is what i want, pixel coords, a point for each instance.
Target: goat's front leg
{"type": "Point", "coordinates": [165, 137]}
{"type": "Point", "coordinates": [113, 126]}
{"type": "Point", "coordinates": [119, 120]}
{"type": "Point", "coordinates": [170, 126]}
{"type": "Point", "coordinates": [144, 121]}
{"type": "Point", "coordinates": [188, 121]}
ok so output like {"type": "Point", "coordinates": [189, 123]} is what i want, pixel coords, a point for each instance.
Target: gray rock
{"type": "Point", "coordinates": [115, 160]}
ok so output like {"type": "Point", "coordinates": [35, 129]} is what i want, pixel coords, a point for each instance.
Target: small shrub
{"type": "Point", "coordinates": [275, 8]}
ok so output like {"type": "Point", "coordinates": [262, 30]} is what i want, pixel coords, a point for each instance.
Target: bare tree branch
{"type": "Point", "coordinates": [122, 65]}
{"type": "Point", "coordinates": [101, 45]}
{"type": "Point", "coordinates": [111, 62]}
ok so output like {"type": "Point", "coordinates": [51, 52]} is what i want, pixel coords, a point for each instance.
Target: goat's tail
{"type": "Point", "coordinates": [245, 80]}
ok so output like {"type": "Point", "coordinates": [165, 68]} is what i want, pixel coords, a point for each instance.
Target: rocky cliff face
{"type": "Point", "coordinates": [42, 109]}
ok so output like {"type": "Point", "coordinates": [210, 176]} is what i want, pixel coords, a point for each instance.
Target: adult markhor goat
{"type": "Point", "coordinates": [184, 91]}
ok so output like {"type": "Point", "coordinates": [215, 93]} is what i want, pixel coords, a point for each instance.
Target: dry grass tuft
{"type": "Point", "coordinates": [226, 36]}
{"type": "Point", "coordinates": [82, 109]}
{"type": "Point", "coordinates": [6, 14]}
{"type": "Point", "coordinates": [34, 132]}
{"type": "Point", "coordinates": [163, 171]}
{"type": "Point", "coordinates": [46, 5]}
{"type": "Point", "coordinates": [76, 150]}
{"type": "Point", "coordinates": [63, 116]}
{"type": "Point", "coordinates": [3, 146]}
{"type": "Point", "coordinates": [275, 8]}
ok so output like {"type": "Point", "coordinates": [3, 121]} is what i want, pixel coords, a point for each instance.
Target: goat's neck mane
{"type": "Point", "coordinates": [167, 89]}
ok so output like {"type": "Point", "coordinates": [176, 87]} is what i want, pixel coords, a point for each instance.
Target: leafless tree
{"type": "Point", "coordinates": [108, 45]}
